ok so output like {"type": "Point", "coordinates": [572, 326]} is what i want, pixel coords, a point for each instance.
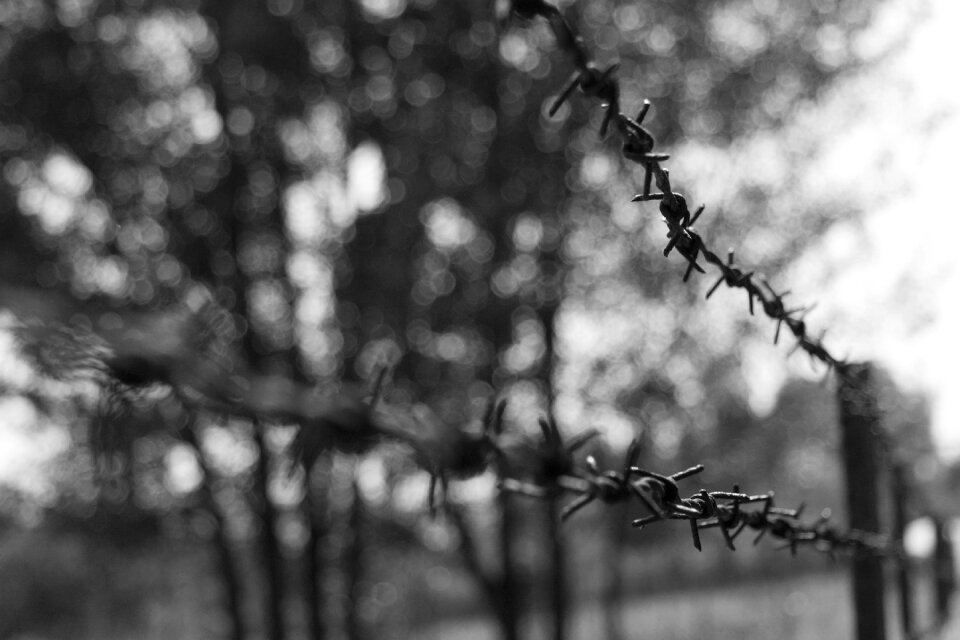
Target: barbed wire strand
{"type": "Point", "coordinates": [723, 510]}
{"type": "Point", "coordinates": [638, 145]}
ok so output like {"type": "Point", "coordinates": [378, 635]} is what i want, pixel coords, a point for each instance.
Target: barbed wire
{"type": "Point", "coordinates": [548, 469]}
{"type": "Point", "coordinates": [542, 468]}
{"type": "Point", "coordinates": [638, 145]}
{"type": "Point", "coordinates": [660, 495]}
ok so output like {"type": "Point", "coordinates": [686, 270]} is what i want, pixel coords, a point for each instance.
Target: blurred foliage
{"type": "Point", "coordinates": [252, 202]}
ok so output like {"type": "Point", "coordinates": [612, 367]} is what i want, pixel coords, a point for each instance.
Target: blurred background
{"type": "Point", "coordinates": [214, 213]}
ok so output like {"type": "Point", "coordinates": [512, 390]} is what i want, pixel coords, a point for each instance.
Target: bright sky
{"type": "Point", "coordinates": [892, 295]}
{"type": "Point", "coordinates": [886, 285]}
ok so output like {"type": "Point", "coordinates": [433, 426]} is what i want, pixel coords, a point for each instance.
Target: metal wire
{"type": "Point", "coordinates": [727, 511]}
{"type": "Point", "coordinates": [638, 144]}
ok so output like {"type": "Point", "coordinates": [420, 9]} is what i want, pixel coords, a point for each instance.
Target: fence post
{"type": "Point", "coordinates": [901, 495]}
{"type": "Point", "coordinates": [945, 578]}
{"type": "Point", "coordinates": [859, 425]}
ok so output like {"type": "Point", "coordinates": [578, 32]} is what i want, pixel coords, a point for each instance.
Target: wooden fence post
{"type": "Point", "coordinates": [859, 425]}
{"type": "Point", "coordinates": [901, 496]}
{"type": "Point", "coordinates": [945, 577]}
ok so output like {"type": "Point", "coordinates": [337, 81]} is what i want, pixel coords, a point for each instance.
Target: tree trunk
{"type": "Point", "coordinates": [509, 600]}
{"type": "Point", "coordinates": [226, 565]}
{"type": "Point", "coordinates": [269, 544]}
{"type": "Point", "coordinates": [313, 563]}
{"type": "Point", "coordinates": [355, 566]}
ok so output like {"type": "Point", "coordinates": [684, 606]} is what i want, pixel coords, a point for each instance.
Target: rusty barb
{"type": "Point", "coordinates": [638, 144]}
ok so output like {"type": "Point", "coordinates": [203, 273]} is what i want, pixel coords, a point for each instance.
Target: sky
{"type": "Point", "coordinates": [889, 291]}
{"type": "Point", "coordinates": [884, 282]}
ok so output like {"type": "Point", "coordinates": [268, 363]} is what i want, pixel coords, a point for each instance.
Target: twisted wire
{"type": "Point", "coordinates": [732, 512]}
{"type": "Point", "coordinates": [638, 144]}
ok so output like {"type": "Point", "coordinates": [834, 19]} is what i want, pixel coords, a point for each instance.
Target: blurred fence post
{"type": "Point", "coordinates": [859, 424]}
{"type": "Point", "coordinates": [901, 496]}
{"type": "Point", "coordinates": [945, 572]}
{"type": "Point", "coordinates": [313, 509]}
